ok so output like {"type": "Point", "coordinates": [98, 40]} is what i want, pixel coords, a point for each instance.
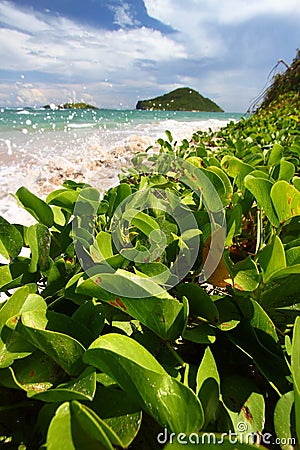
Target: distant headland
{"type": "Point", "coordinates": [80, 105]}
{"type": "Point", "coordinates": [181, 99]}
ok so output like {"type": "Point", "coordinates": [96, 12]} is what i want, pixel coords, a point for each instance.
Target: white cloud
{"type": "Point", "coordinates": [64, 47]}
{"type": "Point", "coordinates": [20, 19]}
{"type": "Point", "coordinates": [215, 49]}
{"type": "Point", "coordinates": [203, 24]}
{"type": "Point", "coordinates": [183, 14]}
{"type": "Point", "coordinates": [123, 15]}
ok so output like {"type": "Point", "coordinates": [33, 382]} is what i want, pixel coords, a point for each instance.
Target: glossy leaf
{"type": "Point", "coordinates": [200, 303]}
{"type": "Point", "coordinates": [208, 386]}
{"type": "Point", "coordinates": [261, 189]}
{"type": "Point", "coordinates": [38, 237]}
{"type": "Point", "coordinates": [141, 376]}
{"type": "Point", "coordinates": [11, 241]}
{"type": "Point", "coordinates": [80, 388]}
{"type": "Point", "coordinates": [286, 200]}
{"type": "Point", "coordinates": [119, 411]}
{"type": "Point", "coordinates": [64, 198]}
{"type": "Point", "coordinates": [245, 275]}
{"type": "Point", "coordinates": [282, 419]}
{"type": "Point", "coordinates": [35, 206]}
{"type": "Point", "coordinates": [295, 369]}
{"type": "Point", "coordinates": [286, 170]}
{"type": "Point", "coordinates": [200, 334]}
{"type": "Point", "coordinates": [236, 169]}
{"type": "Point", "coordinates": [243, 404]}
{"type": "Point", "coordinates": [12, 345]}
{"type": "Point", "coordinates": [272, 258]}
{"type": "Point", "coordinates": [63, 349]}
{"type": "Point", "coordinates": [159, 312]}
{"type": "Point", "coordinates": [36, 373]}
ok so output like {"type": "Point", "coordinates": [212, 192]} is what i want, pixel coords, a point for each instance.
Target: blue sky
{"type": "Point", "coordinates": [113, 53]}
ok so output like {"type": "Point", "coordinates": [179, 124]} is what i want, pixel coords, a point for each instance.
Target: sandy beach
{"type": "Point", "coordinates": [41, 160]}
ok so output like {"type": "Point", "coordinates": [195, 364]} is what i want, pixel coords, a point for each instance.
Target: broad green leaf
{"type": "Point", "coordinates": [282, 419]}
{"type": "Point", "coordinates": [91, 316]}
{"type": "Point", "coordinates": [11, 240]}
{"type": "Point", "coordinates": [234, 223]}
{"type": "Point", "coordinates": [259, 320]}
{"type": "Point", "coordinates": [217, 182]}
{"type": "Point", "coordinates": [229, 313]}
{"type": "Point", "coordinates": [153, 307]}
{"type": "Point", "coordinates": [245, 275]}
{"type": "Point", "coordinates": [70, 290]}
{"type": "Point", "coordinates": [272, 258]}
{"type": "Point", "coordinates": [60, 431]}
{"type": "Point", "coordinates": [38, 237]}
{"type": "Point", "coordinates": [296, 182]}
{"type": "Point", "coordinates": [12, 345]}
{"type": "Point", "coordinates": [119, 411]}
{"type": "Point", "coordinates": [261, 189]}
{"type": "Point", "coordinates": [286, 170]}
{"type": "Point", "coordinates": [145, 223]}
{"type": "Point", "coordinates": [81, 388]}
{"type": "Point", "coordinates": [293, 256]}
{"type": "Point", "coordinates": [89, 430]}
{"type": "Point", "coordinates": [200, 334]}
{"type": "Point", "coordinates": [208, 386]}
{"type": "Point", "coordinates": [275, 154]}
{"type": "Point", "coordinates": [200, 303]}
{"type": "Point", "coordinates": [286, 200]}
{"type": "Point", "coordinates": [35, 206]}
{"type": "Point", "coordinates": [158, 272]}
{"type": "Point", "coordinates": [226, 182]}
{"type": "Point", "coordinates": [243, 404]}
{"type": "Point", "coordinates": [281, 292]}
{"type": "Point", "coordinates": [75, 427]}
{"type": "Point", "coordinates": [285, 272]}
{"type": "Point", "coordinates": [236, 169]}
{"type": "Point", "coordinates": [15, 274]}
{"type": "Point", "coordinates": [36, 373]}
{"type": "Point", "coordinates": [140, 375]}
{"type": "Point", "coordinates": [116, 196]}
{"type": "Point", "coordinates": [247, 339]}
{"type": "Point", "coordinates": [295, 369]}
{"type": "Point", "coordinates": [63, 349]}
{"type": "Point", "coordinates": [102, 247]}
{"type": "Point", "coordinates": [64, 198]}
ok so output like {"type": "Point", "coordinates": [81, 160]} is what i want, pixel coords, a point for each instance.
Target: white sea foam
{"type": "Point", "coordinates": [42, 160]}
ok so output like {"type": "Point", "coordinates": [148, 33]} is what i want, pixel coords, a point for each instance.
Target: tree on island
{"type": "Point", "coordinates": [181, 99]}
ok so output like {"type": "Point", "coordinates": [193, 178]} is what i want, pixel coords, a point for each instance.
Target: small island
{"type": "Point", "coordinates": [181, 99]}
{"type": "Point", "coordinates": [79, 105]}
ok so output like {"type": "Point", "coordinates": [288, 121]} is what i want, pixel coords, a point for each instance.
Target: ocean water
{"type": "Point", "coordinates": [39, 148]}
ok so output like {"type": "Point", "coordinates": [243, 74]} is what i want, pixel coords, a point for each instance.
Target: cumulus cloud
{"type": "Point", "coordinates": [176, 12]}
{"type": "Point", "coordinates": [59, 45]}
{"type": "Point", "coordinates": [124, 17]}
{"type": "Point", "coordinates": [224, 50]}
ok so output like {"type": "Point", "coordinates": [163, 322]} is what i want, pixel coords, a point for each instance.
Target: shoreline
{"type": "Point", "coordinates": [41, 162]}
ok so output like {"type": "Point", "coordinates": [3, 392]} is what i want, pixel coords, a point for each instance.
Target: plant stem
{"type": "Point", "coordinates": [259, 229]}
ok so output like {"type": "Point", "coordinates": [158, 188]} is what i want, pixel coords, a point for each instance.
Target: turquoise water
{"type": "Point", "coordinates": [31, 120]}
{"type": "Point", "coordinates": [39, 148]}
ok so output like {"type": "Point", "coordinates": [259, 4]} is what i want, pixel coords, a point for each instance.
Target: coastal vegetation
{"type": "Point", "coordinates": [102, 347]}
{"type": "Point", "coordinates": [181, 99]}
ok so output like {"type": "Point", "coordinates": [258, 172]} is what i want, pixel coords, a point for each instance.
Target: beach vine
{"type": "Point", "coordinates": [191, 358]}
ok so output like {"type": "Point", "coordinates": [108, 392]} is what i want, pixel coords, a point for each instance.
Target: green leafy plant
{"type": "Point", "coordinates": [105, 345]}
